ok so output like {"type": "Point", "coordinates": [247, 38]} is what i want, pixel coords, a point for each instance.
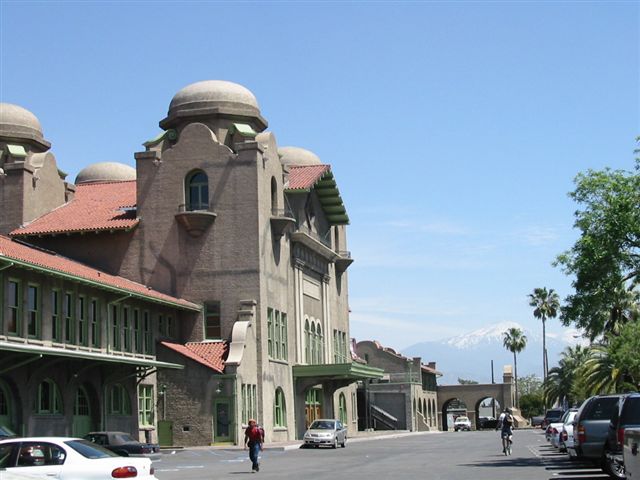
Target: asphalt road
{"type": "Point", "coordinates": [450, 456]}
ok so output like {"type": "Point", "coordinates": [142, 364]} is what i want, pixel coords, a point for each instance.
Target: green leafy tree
{"type": "Point", "coordinates": [515, 341]}
{"type": "Point", "coordinates": [564, 382]}
{"type": "Point", "coordinates": [545, 305]}
{"type": "Point", "coordinates": [532, 404]}
{"type": "Point", "coordinates": [464, 381]}
{"type": "Point", "coordinates": [605, 260]}
{"type": "Point", "coordinates": [530, 384]}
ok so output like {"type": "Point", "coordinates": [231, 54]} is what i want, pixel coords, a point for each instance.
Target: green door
{"type": "Point", "coordinates": [81, 414]}
{"type": "Point", "coordinates": [222, 421]}
{"type": "Point", "coordinates": [165, 433]}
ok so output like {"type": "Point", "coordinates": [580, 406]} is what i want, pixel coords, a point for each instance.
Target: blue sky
{"type": "Point", "coordinates": [455, 129]}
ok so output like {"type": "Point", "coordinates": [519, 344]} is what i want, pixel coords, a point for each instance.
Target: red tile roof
{"type": "Point", "coordinates": [95, 206]}
{"type": "Point", "coordinates": [40, 259]}
{"type": "Point", "coordinates": [302, 178]}
{"type": "Point", "coordinates": [209, 354]}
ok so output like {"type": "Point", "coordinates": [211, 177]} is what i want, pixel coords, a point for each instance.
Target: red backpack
{"type": "Point", "coordinates": [255, 433]}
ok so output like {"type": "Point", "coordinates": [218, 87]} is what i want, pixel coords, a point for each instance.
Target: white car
{"type": "Point", "coordinates": [566, 434]}
{"type": "Point", "coordinates": [555, 429]}
{"type": "Point", "coordinates": [67, 458]}
{"type": "Point", "coordinates": [462, 423]}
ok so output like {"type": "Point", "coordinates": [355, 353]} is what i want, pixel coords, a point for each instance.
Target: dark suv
{"type": "Point", "coordinates": [552, 416]}
{"type": "Point", "coordinates": [591, 426]}
{"type": "Point", "coordinates": [627, 416]}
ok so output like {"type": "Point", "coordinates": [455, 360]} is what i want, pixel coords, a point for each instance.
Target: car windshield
{"type": "Point", "coordinates": [602, 408]}
{"type": "Point", "coordinates": [90, 450]}
{"type": "Point", "coordinates": [554, 414]}
{"type": "Point", "coordinates": [462, 419]}
{"type": "Point", "coordinates": [322, 425]}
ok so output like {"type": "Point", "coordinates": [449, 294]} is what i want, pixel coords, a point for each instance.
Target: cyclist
{"type": "Point", "coordinates": [506, 432]}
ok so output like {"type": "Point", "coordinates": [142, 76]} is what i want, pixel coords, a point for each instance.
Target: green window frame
{"type": "Point", "coordinates": [270, 331]}
{"type": "Point", "coordinates": [212, 321]}
{"type": "Point", "coordinates": [137, 333]}
{"type": "Point", "coordinates": [126, 329]}
{"type": "Point", "coordinates": [94, 322]}
{"type": "Point", "coordinates": [197, 191]}
{"type": "Point", "coordinates": [342, 408]}
{"type": "Point", "coordinates": [148, 333]}
{"type": "Point", "coordinates": [307, 342]}
{"type": "Point", "coordinates": [33, 310]}
{"type": "Point", "coordinates": [284, 338]}
{"type": "Point", "coordinates": [115, 327]}
{"type": "Point", "coordinates": [243, 396]}
{"type": "Point", "coordinates": [69, 318]}
{"type": "Point", "coordinates": [276, 336]}
{"type": "Point", "coordinates": [170, 326]}
{"type": "Point", "coordinates": [279, 409]}
{"type": "Point", "coordinates": [161, 325]}
{"type": "Point", "coordinates": [48, 400]}
{"type": "Point", "coordinates": [56, 323]}
{"type": "Point", "coordinates": [82, 321]}
{"type": "Point", "coordinates": [145, 405]}
{"type": "Point", "coordinates": [14, 307]}
{"type": "Point", "coordinates": [119, 401]}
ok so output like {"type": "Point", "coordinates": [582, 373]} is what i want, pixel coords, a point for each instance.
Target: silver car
{"type": "Point", "coordinates": [326, 432]}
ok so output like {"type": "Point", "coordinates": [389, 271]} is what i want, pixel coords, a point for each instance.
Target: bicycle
{"type": "Point", "coordinates": [507, 441]}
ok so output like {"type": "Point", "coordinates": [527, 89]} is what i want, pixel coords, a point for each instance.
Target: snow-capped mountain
{"type": "Point", "coordinates": [469, 355]}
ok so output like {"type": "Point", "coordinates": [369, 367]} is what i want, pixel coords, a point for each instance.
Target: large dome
{"type": "Point", "coordinates": [20, 123]}
{"type": "Point", "coordinates": [210, 94]}
{"type": "Point", "coordinates": [106, 172]}
{"type": "Point", "coordinates": [296, 157]}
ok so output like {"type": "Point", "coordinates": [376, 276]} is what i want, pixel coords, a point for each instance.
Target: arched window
{"type": "Point", "coordinates": [119, 402]}
{"type": "Point", "coordinates": [274, 196]}
{"type": "Point", "coordinates": [197, 191]}
{"type": "Point", "coordinates": [280, 409]}
{"type": "Point", "coordinates": [342, 408]}
{"type": "Point", "coordinates": [307, 342]}
{"type": "Point", "coordinates": [320, 347]}
{"type": "Point", "coordinates": [420, 407]}
{"type": "Point", "coordinates": [48, 400]}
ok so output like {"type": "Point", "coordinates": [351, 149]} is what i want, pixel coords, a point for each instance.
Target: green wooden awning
{"type": "Point", "coordinates": [337, 371]}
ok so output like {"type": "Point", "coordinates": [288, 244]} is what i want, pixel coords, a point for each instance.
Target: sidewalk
{"type": "Point", "coordinates": [295, 444]}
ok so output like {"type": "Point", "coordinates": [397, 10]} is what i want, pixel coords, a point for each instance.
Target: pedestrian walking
{"type": "Point", "coordinates": [254, 440]}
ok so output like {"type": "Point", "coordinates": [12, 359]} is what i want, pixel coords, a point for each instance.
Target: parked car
{"type": "Point", "coordinates": [551, 416]}
{"type": "Point", "coordinates": [537, 421]}
{"type": "Point", "coordinates": [326, 432]}
{"type": "Point", "coordinates": [592, 427]}
{"type": "Point", "coordinates": [124, 444]}
{"type": "Point", "coordinates": [556, 429]}
{"type": "Point", "coordinates": [462, 423]}
{"type": "Point", "coordinates": [487, 422]}
{"type": "Point", "coordinates": [566, 435]}
{"type": "Point", "coordinates": [66, 458]}
{"type": "Point", "coordinates": [631, 454]}
{"type": "Point", "coordinates": [627, 416]}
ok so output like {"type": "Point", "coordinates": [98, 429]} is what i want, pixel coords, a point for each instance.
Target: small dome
{"type": "Point", "coordinates": [18, 122]}
{"type": "Point", "coordinates": [106, 172]}
{"type": "Point", "coordinates": [296, 157]}
{"type": "Point", "coordinates": [211, 94]}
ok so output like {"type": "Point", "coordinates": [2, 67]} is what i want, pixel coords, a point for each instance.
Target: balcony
{"type": "Point", "coordinates": [195, 222]}
{"type": "Point", "coordinates": [282, 221]}
{"type": "Point", "coordinates": [343, 261]}
{"type": "Point", "coordinates": [318, 243]}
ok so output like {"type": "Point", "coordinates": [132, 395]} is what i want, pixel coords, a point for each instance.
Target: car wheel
{"type": "Point", "coordinates": [613, 468]}
{"type": "Point", "coordinates": [335, 443]}
{"type": "Point", "coordinates": [344, 442]}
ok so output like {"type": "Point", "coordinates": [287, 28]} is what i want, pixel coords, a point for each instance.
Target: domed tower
{"type": "Point", "coordinates": [30, 182]}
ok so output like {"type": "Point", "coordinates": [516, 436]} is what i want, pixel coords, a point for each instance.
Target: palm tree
{"type": "Point", "coordinates": [515, 341]}
{"type": "Point", "coordinates": [565, 383]}
{"type": "Point", "coordinates": [546, 304]}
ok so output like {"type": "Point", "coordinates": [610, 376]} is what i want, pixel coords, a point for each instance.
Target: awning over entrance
{"type": "Point", "coordinates": [337, 371]}
{"type": "Point", "coordinates": [83, 355]}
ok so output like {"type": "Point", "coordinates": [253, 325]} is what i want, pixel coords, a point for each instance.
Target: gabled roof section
{"type": "Point", "coordinates": [95, 207]}
{"type": "Point", "coordinates": [210, 354]}
{"type": "Point", "coordinates": [320, 178]}
{"type": "Point", "coordinates": [16, 253]}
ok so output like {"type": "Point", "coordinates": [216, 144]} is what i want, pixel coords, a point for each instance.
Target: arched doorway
{"type": "Point", "coordinates": [452, 409]}
{"type": "Point", "coordinates": [487, 411]}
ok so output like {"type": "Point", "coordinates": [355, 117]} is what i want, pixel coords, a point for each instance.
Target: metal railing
{"type": "Point", "coordinates": [187, 208]}
{"type": "Point", "coordinates": [324, 239]}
